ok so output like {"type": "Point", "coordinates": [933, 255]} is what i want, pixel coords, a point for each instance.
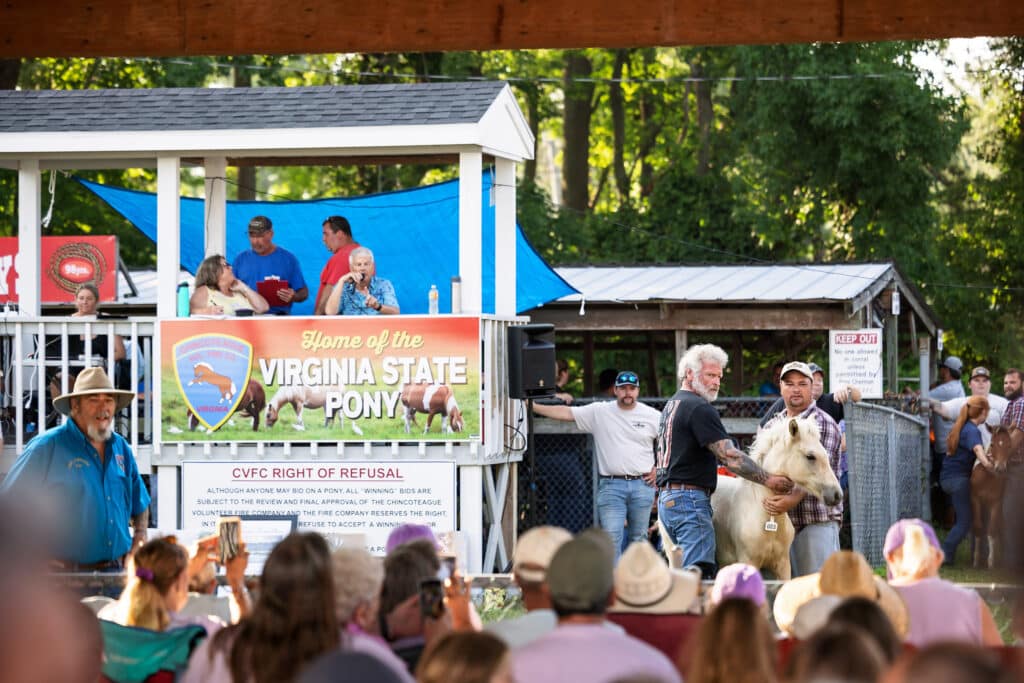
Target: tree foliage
{"type": "Point", "coordinates": [824, 152]}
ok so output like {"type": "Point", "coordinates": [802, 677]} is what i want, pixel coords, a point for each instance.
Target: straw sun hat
{"type": "Point", "coordinates": [644, 583]}
{"type": "Point", "coordinates": [845, 574]}
{"type": "Point", "coordinates": [89, 382]}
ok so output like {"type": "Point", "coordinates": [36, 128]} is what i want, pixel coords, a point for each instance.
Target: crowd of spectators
{"type": "Point", "coordinates": [319, 614]}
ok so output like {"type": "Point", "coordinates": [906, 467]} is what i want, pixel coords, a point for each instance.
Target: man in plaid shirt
{"type": "Point", "coordinates": [817, 525]}
{"type": "Point", "coordinates": [1013, 495]}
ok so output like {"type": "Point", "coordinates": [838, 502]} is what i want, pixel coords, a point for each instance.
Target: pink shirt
{"type": "Point", "coordinates": [592, 653]}
{"type": "Point", "coordinates": [940, 610]}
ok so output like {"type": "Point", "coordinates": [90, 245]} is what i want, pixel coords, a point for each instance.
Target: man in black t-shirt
{"type": "Point", "coordinates": [831, 403]}
{"type": "Point", "coordinates": [691, 443]}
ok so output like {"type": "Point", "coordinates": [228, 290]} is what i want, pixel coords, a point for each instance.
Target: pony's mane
{"type": "Point", "coordinates": [204, 364]}
{"type": "Point", "coordinates": [778, 430]}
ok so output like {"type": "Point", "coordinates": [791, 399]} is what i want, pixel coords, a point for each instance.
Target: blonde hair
{"type": "Point", "coordinates": [973, 408]}
{"type": "Point", "coordinates": [155, 568]}
{"type": "Point", "coordinates": [915, 559]}
{"type": "Point", "coordinates": [463, 656]}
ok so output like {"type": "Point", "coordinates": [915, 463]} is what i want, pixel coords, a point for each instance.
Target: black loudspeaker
{"type": "Point", "coordinates": [531, 360]}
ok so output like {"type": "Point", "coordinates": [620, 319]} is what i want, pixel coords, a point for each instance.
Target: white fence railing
{"type": "Point", "coordinates": [39, 359]}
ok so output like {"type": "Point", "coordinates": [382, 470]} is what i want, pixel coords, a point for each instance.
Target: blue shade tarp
{"type": "Point", "coordinates": [414, 236]}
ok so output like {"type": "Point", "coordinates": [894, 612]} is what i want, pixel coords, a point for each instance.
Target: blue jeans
{"type": "Point", "coordinates": [812, 545]}
{"type": "Point", "coordinates": [619, 500]}
{"type": "Point", "coordinates": [959, 490]}
{"type": "Point", "coordinates": [686, 516]}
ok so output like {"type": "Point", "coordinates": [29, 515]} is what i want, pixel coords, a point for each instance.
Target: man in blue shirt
{"type": "Point", "coordinates": [271, 270]}
{"type": "Point", "coordinates": [91, 475]}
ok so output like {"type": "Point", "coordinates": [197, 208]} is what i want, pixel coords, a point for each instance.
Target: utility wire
{"type": "Point", "coordinates": [305, 67]}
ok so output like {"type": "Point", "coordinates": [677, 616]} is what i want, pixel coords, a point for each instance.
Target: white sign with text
{"type": "Point", "coordinates": [855, 357]}
{"type": "Point", "coordinates": [330, 497]}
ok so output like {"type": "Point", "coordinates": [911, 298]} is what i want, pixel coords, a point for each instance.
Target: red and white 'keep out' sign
{"type": "Point", "coordinates": [855, 357]}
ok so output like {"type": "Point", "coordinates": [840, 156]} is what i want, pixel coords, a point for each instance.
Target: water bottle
{"type": "Point", "coordinates": [432, 299]}
{"type": "Point", "coordinates": [456, 294]}
{"type": "Point", "coordinates": [183, 297]}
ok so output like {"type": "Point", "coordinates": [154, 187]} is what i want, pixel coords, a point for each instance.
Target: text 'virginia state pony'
{"type": "Point", "coordinates": [395, 370]}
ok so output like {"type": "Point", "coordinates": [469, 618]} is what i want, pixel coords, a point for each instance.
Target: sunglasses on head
{"type": "Point", "coordinates": [627, 378]}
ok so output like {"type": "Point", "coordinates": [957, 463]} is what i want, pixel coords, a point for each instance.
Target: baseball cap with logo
{"type": "Point", "coordinates": [627, 377]}
{"type": "Point", "coordinates": [815, 368]}
{"type": "Point", "coordinates": [534, 551]}
{"type": "Point", "coordinates": [980, 372]}
{"type": "Point", "coordinates": [797, 366]}
{"type": "Point", "coordinates": [260, 224]}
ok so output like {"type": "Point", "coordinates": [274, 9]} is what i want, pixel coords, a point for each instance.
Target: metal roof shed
{"type": "Point", "coordinates": [726, 298]}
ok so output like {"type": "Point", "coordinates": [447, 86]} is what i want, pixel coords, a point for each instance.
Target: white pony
{"type": "Point", "coordinates": [301, 396]}
{"type": "Point", "coordinates": [791, 448]}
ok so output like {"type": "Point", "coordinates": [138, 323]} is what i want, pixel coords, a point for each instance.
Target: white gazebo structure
{"type": "Point", "coordinates": [471, 124]}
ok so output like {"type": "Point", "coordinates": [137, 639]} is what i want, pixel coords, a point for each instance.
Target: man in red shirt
{"type": "Point", "coordinates": [337, 235]}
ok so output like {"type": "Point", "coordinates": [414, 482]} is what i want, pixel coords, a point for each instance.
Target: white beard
{"type": "Point", "coordinates": [708, 394]}
{"type": "Point", "coordinates": [97, 434]}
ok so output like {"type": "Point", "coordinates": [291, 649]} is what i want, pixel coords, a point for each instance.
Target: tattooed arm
{"type": "Point", "coordinates": [740, 464]}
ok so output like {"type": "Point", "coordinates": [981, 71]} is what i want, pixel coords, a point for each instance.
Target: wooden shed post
{"type": "Point", "coordinates": [680, 351]}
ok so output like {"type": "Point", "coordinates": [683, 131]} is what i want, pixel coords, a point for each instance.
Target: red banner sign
{"type": "Point", "coordinates": [65, 264]}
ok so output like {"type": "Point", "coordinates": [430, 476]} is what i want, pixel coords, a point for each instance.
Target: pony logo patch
{"type": "Point", "coordinates": [209, 369]}
{"type": "Point", "coordinates": [119, 459]}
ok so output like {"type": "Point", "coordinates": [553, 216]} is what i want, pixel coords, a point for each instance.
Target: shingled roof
{"type": "Point", "coordinates": [172, 109]}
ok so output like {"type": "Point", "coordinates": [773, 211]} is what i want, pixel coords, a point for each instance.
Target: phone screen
{"type": "Point", "coordinates": [447, 566]}
{"type": "Point", "coordinates": [229, 538]}
{"type": "Point", "coordinates": [432, 598]}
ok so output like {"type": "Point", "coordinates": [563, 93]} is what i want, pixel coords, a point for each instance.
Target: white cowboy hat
{"type": "Point", "coordinates": [845, 574]}
{"type": "Point", "coordinates": [644, 583]}
{"type": "Point", "coordinates": [92, 381]}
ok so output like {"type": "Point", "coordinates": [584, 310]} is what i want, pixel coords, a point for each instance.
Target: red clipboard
{"type": "Point", "coordinates": [268, 289]}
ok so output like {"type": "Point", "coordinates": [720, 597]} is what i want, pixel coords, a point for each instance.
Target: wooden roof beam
{"type": "Point", "coordinates": [70, 28]}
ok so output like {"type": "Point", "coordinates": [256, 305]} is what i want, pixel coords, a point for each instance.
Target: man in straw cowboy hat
{"type": "Point", "coordinates": [802, 604]}
{"type": "Point", "coordinates": [90, 472]}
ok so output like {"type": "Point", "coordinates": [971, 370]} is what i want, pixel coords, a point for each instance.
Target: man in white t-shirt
{"type": "Point", "coordinates": [981, 385]}
{"type": "Point", "coordinates": [624, 434]}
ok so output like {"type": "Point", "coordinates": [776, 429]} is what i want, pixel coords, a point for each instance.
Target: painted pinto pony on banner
{"type": "Point", "coordinates": [380, 378]}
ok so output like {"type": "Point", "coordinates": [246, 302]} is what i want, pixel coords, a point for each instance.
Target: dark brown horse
{"type": "Point", "coordinates": [987, 496]}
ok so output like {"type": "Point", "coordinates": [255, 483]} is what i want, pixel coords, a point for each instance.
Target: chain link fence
{"type": "Point", "coordinates": [564, 485]}
{"type": "Point", "coordinates": [888, 457]}
{"type": "Point", "coordinates": [888, 461]}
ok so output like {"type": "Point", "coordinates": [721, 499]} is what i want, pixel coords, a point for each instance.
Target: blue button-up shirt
{"type": "Point", "coordinates": [96, 498]}
{"type": "Point", "coordinates": [354, 303]}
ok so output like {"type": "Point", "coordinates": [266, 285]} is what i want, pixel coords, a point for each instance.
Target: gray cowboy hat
{"type": "Point", "coordinates": [92, 381]}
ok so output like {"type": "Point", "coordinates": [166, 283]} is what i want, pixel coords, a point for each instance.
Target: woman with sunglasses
{"type": "Point", "coordinates": [219, 292]}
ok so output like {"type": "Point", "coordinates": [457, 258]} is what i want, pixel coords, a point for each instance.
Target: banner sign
{"type": "Point", "coordinates": [372, 378]}
{"type": "Point", "coordinates": [65, 263]}
{"type": "Point", "coordinates": [341, 497]}
{"type": "Point", "coordinates": [855, 357]}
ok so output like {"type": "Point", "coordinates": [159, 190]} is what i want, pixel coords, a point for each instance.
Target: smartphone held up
{"type": "Point", "coordinates": [229, 538]}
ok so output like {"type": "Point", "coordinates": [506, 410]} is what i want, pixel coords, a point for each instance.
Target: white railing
{"type": "Point", "coordinates": [37, 363]}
